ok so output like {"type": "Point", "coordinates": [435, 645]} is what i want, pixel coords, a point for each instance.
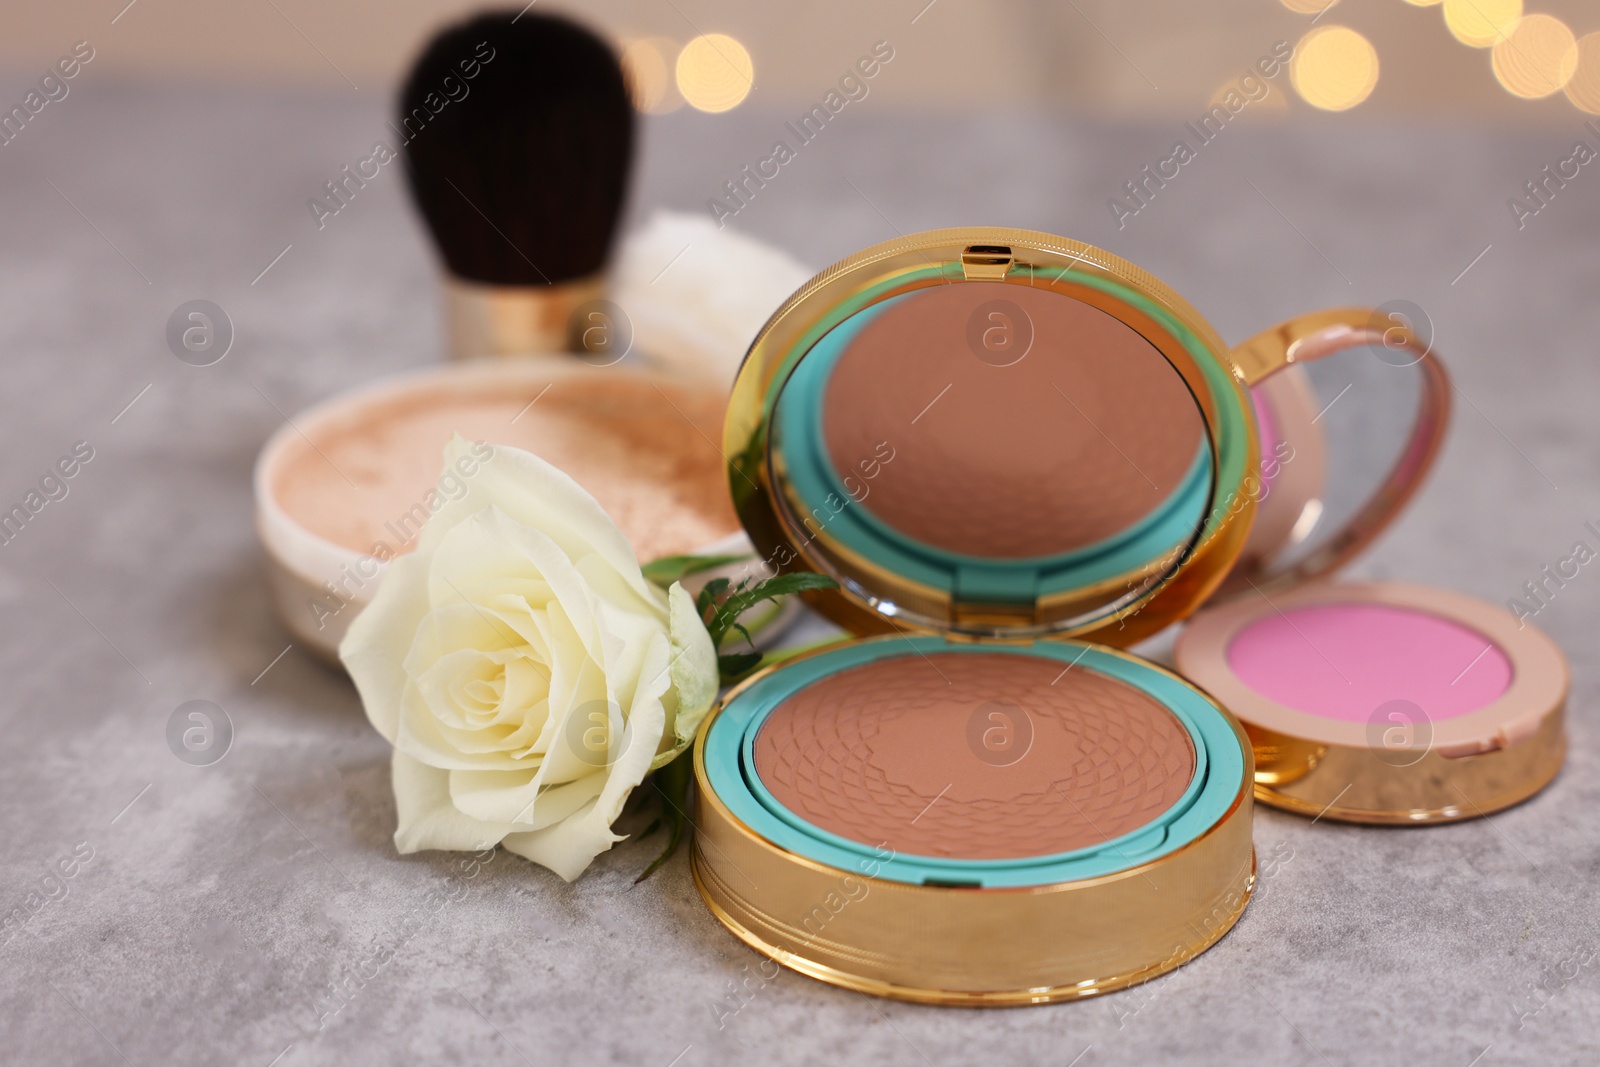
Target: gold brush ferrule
{"type": "Point", "coordinates": [506, 320]}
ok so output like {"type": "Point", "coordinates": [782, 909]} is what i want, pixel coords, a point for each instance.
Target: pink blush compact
{"type": "Point", "coordinates": [1340, 661]}
{"type": "Point", "coordinates": [1381, 702]}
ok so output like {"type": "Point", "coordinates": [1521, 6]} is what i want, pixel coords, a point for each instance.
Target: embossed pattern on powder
{"type": "Point", "coordinates": [974, 756]}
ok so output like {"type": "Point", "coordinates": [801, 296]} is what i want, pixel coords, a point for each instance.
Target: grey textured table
{"type": "Point", "coordinates": [222, 903]}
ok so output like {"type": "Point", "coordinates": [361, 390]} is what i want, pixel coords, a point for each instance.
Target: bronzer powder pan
{"type": "Point", "coordinates": [1378, 702]}
{"type": "Point", "coordinates": [1083, 463]}
{"type": "Point", "coordinates": [1089, 448]}
{"type": "Point", "coordinates": [883, 754]}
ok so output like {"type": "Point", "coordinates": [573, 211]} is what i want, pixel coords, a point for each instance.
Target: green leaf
{"type": "Point", "coordinates": [707, 599]}
{"type": "Point", "coordinates": [672, 786]}
{"type": "Point", "coordinates": [669, 569]}
{"type": "Point", "coordinates": [793, 582]}
{"type": "Point", "coordinates": [728, 611]}
{"type": "Point", "coordinates": [734, 664]}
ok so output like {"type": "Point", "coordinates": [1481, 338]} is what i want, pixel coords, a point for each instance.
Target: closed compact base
{"type": "Point", "coordinates": [1354, 784]}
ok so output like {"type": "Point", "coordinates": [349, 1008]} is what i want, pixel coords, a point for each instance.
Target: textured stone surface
{"type": "Point", "coordinates": [223, 902]}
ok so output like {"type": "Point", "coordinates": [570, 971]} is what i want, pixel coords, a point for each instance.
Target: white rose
{"type": "Point", "coordinates": [525, 671]}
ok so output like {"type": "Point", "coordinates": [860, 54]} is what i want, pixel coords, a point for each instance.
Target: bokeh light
{"type": "Point", "coordinates": [714, 72]}
{"type": "Point", "coordinates": [1334, 68]}
{"type": "Point", "coordinates": [1423, 3]}
{"type": "Point", "coordinates": [1481, 23]}
{"type": "Point", "coordinates": [649, 76]}
{"type": "Point", "coordinates": [1583, 88]}
{"type": "Point", "coordinates": [1536, 58]}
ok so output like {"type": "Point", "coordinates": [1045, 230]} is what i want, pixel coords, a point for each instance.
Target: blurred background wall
{"type": "Point", "coordinates": [1457, 59]}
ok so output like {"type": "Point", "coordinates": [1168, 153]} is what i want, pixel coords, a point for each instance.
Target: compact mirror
{"type": "Point", "coordinates": [1344, 441]}
{"type": "Point", "coordinates": [1026, 458]}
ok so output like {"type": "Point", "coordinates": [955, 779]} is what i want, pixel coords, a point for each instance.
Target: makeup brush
{"type": "Point", "coordinates": [518, 133]}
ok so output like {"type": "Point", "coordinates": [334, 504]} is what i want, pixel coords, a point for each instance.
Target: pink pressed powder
{"type": "Point", "coordinates": [1343, 661]}
{"type": "Point", "coordinates": [642, 447]}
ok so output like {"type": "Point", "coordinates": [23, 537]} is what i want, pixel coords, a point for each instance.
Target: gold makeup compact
{"type": "Point", "coordinates": [1016, 454]}
{"type": "Point", "coordinates": [1371, 702]}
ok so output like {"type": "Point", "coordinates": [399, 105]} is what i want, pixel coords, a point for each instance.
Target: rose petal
{"type": "Point", "coordinates": [473, 562]}
{"type": "Point", "coordinates": [427, 818]}
{"type": "Point", "coordinates": [569, 846]}
{"type": "Point", "coordinates": [540, 497]}
{"type": "Point", "coordinates": [378, 640]}
{"type": "Point", "coordinates": [516, 799]}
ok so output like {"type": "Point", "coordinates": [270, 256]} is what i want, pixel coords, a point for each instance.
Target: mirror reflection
{"type": "Point", "coordinates": [997, 442]}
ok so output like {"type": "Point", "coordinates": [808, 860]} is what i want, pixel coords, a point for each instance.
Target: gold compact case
{"type": "Point", "coordinates": [1016, 454]}
{"type": "Point", "coordinates": [1369, 702]}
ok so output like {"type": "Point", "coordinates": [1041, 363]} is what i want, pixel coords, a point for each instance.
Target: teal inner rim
{"type": "Point", "coordinates": [816, 484]}
{"type": "Point", "coordinates": [1218, 775]}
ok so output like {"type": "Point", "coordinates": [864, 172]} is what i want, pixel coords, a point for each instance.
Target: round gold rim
{"type": "Point", "coordinates": [948, 256]}
{"type": "Point", "coordinates": [1478, 785]}
{"type": "Point", "coordinates": [952, 998]}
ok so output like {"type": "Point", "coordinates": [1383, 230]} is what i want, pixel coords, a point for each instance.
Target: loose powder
{"type": "Point", "coordinates": [1345, 661]}
{"type": "Point", "coordinates": [1086, 433]}
{"type": "Point", "coordinates": [643, 448]}
{"type": "Point", "coordinates": [979, 755]}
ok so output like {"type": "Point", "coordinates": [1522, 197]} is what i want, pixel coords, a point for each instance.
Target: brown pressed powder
{"type": "Point", "coordinates": [1081, 437]}
{"type": "Point", "coordinates": [642, 447]}
{"type": "Point", "coordinates": [980, 755]}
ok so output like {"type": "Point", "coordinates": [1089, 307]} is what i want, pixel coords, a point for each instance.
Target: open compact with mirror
{"type": "Point", "coordinates": [1017, 455]}
{"type": "Point", "coordinates": [1373, 702]}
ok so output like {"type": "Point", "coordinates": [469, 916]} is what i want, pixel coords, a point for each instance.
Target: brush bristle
{"type": "Point", "coordinates": [521, 172]}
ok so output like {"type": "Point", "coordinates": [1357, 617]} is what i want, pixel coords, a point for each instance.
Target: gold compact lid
{"type": "Point", "coordinates": [993, 433]}
{"type": "Point", "coordinates": [1345, 441]}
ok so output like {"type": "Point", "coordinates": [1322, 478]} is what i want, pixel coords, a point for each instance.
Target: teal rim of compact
{"type": "Point", "coordinates": [812, 478]}
{"type": "Point", "coordinates": [1220, 766]}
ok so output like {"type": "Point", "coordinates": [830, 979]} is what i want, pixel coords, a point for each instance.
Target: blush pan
{"type": "Point", "coordinates": [1339, 661]}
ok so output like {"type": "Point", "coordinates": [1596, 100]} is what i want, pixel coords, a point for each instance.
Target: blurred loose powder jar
{"type": "Point", "coordinates": [974, 756]}
{"type": "Point", "coordinates": [642, 447]}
